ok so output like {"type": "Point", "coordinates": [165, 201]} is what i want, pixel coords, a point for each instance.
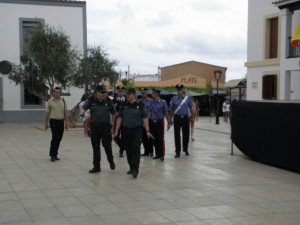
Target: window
{"type": "Point", "coordinates": [28, 100]}
{"type": "Point", "coordinates": [272, 38]}
{"type": "Point", "coordinates": [269, 86]}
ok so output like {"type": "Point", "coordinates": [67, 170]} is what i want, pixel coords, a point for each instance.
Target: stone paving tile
{"type": "Point", "coordinates": [208, 187]}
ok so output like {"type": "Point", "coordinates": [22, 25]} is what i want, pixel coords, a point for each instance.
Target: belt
{"type": "Point", "coordinates": [57, 119]}
{"type": "Point", "coordinates": [155, 121]}
{"type": "Point", "coordinates": [185, 116]}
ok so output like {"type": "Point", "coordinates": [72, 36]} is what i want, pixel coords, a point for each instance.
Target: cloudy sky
{"type": "Point", "coordinates": [146, 34]}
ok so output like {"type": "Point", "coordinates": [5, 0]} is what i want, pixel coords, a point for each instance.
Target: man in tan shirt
{"type": "Point", "coordinates": [57, 112]}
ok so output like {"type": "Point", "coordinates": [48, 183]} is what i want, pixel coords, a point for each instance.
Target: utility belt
{"type": "Point", "coordinates": [156, 121]}
{"type": "Point", "coordinates": [181, 117]}
{"type": "Point", "coordinates": [56, 119]}
{"type": "Point", "coordinates": [131, 128]}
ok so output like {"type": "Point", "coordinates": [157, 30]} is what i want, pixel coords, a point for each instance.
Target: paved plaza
{"type": "Point", "coordinates": [208, 187]}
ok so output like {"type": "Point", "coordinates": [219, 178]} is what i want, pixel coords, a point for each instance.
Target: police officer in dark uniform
{"type": "Point", "coordinates": [147, 143]}
{"type": "Point", "coordinates": [118, 101]}
{"type": "Point", "coordinates": [158, 111]}
{"type": "Point", "coordinates": [132, 116]}
{"type": "Point", "coordinates": [101, 126]}
{"type": "Point", "coordinates": [179, 107]}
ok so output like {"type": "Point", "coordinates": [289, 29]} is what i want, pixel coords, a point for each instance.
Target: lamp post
{"type": "Point", "coordinates": [217, 74]}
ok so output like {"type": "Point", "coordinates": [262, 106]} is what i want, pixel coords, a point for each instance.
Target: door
{"type": "Point", "coordinates": [1, 100]}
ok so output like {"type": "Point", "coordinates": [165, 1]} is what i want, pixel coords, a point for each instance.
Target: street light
{"type": "Point", "coordinates": [217, 74]}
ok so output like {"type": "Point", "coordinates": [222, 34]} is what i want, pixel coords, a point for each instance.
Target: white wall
{"type": "Point", "coordinates": [257, 9]}
{"type": "Point", "coordinates": [70, 19]}
{"type": "Point", "coordinates": [295, 84]}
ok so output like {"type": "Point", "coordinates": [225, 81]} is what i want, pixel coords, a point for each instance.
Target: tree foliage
{"type": "Point", "coordinates": [48, 60]}
{"type": "Point", "coordinates": [96, 67]}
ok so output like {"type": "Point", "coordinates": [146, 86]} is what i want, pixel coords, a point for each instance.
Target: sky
{"type": "Point", "coordinates": [145, 35]}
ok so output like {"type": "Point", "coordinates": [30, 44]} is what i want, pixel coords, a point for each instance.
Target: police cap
{"type": "Point", "coordinates": [100, 88]}
{"type": "Point", "coordinates": [179, 86]}
{"type": "Point", "coordinates": [143, 89]}
{"type": "Point", "coordinates": [155, 90]}
{"type": "Point", "coordinates": [120, 88]}
{"type": "Point", "coordinates": [131, 91]}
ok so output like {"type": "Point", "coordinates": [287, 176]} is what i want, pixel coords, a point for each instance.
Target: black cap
{"type": "Point", "coordinates": [155, 90]}
{"type": "Point", "coordinates": [143, 89]}
{"type": "Point", "coordinates": [131, 91]}
{"type": "Point", "coordinates": [120, 88]}
{"type": "Point", "coordinates": [101, 88]}
{"type": "Point", "coordinates": [179, 86]}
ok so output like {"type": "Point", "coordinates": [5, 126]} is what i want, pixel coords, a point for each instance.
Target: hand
{"type": "Point", "coordinates": [149, 135]}
{"type": "Point", "coordinates": [169, 125]}
{"type": "Point", "coordinates": [45, 126]}
{"type": "Point", "coordinates": [115, 134]}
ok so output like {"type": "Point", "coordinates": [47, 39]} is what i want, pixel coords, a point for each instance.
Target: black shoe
{"type": "Point", "coordinates": [112, 165]}
{"type": "Point", "coordinates": [56, 158]}
{"type": "Point", "coordinates": [156, 157]}
{"type": "Point", "coordinates": [52, 159]}
{"type": "Point", "coordinates": [134, 174]}
{"type": "Point", "coordinates": [129, 172]}
{"type": "Point", "coordinates": [151, 155]}
{"type": "Point", "coordinates": [162, 158]}
{"type": "Point", "coordinates": [95, 170]}
{"type": "Point", "coordinates": [144, 154]}
{"type": "Point", "coordinates": [186, 153]}
{"type": "Point", "coordinates": [177, 155]}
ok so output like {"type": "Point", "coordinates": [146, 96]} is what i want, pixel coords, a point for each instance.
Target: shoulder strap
{"type": "Point", "coordinates": [183, 101]}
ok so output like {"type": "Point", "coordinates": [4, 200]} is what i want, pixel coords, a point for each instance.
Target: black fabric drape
{"type": "Point", "coordinates": [268, 132]}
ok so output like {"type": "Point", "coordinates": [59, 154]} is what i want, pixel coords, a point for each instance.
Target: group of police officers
{"type": "Point", "coordinates": [131, 121]}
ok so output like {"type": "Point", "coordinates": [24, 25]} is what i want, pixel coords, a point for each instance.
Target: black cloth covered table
{"type": "Point", "coordinates": [268, 132]}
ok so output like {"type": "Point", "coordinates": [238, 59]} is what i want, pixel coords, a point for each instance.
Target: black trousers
{"type": "Point", "coordinates": [57, 130]}
{"type": "Point", "coordinates": [98, 132]}
{"type": "Point", "coordinates": [132, 139]}
{"type": "Point", "coordinates": [157, 129]}
{"type": "Point", "coordinates": [181, 123]}
{"type": "Point", "coordinates": [147, 143]}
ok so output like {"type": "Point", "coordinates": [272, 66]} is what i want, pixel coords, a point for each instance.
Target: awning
{"type": "Point", "coordinates": [296, 37]}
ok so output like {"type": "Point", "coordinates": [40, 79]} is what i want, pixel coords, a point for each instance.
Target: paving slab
{"type": "Point", "coordinates": [210, 186]}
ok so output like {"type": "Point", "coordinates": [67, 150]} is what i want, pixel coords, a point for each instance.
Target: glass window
{"type": "Point", "coordinates": [28, 99]}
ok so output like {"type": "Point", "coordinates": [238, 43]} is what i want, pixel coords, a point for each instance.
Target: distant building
{"type": "Point", "coordinates": [190, 74]}
{"type": "Point", "coordinates": [17, 17]}
{"type": "Point", "coordinates": [273, 65]}
{"type": "Point", "coordinates": [152, 77]}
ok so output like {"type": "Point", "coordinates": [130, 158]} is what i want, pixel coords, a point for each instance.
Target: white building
{"type": "Point", "coordinates": [15, 17]}
{"type": "Point", "coordinates": [149, 77]}
{"type": "Point", "coordinates": [273, 65]}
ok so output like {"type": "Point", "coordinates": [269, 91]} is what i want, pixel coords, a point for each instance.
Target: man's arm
{"type": "Point", "coordinates": [118, 125]}
{"type": "Point", "coordinates": [46, 120]}
{"type": "Point", "coordinates": [146, 125]}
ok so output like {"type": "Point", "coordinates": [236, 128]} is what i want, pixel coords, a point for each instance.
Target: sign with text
{"type": "Point", "coordinates": [189, 80]}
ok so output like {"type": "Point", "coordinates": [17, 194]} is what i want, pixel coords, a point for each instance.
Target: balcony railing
{"type": "Point", "coordinates": [294, 52]}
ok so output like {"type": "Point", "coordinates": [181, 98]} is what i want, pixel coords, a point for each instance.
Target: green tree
{"type": "Point", "coordinates": [209, 92]}
{"type": "Point", "coordinates": [128, 83]}
{"type": "Point", "coordinates": [48, 60]}
{"type": "Point", "coordinates": [95, 68]}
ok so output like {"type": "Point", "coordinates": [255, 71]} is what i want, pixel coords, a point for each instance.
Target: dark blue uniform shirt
{"type": "Point", "coordinates": [100, 110]}
{"type": "Point", "coordinates": [132, 114]}
{"type": "Point", "coordinates": [158, 109]}
{"type": "Point", "coordinates": [184, 109]}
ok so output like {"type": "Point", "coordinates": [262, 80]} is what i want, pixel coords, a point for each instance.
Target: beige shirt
{"type": "Point", "coordinates": [56, 109]}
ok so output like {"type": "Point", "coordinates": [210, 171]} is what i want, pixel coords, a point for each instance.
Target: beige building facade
{"type": "Point", "coordinates": [190, 74]}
